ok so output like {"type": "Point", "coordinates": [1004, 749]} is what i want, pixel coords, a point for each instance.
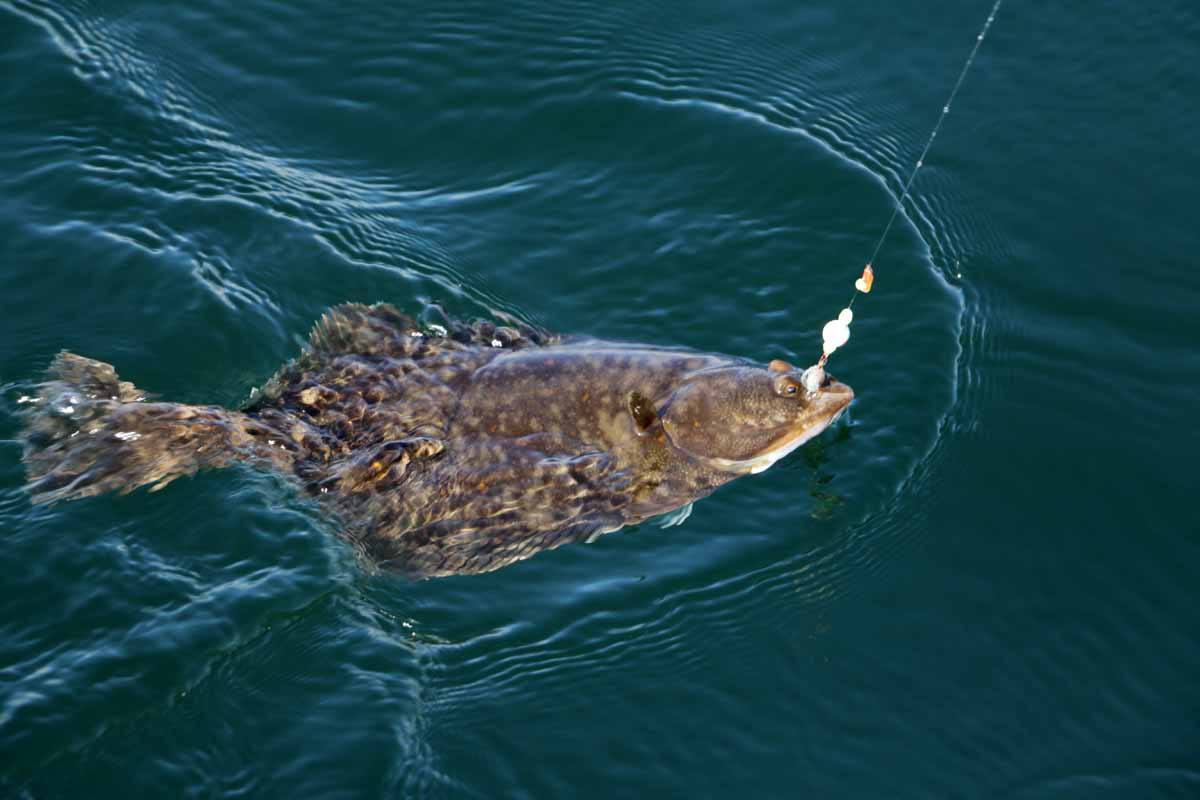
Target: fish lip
{"type": "Point", "coordinates": [845, 397]}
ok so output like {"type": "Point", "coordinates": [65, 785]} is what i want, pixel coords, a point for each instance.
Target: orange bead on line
{"type": "Point", "coordinates": [863, 284]}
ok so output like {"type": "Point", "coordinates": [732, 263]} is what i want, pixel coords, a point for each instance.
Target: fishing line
{"type": "Point", "coordinates": [837, 331]}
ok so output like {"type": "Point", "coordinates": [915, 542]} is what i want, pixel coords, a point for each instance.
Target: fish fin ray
{"type": "Point", "coordinates": [382, 329]}
{"type": "Point", "coordinates": [355, 328]}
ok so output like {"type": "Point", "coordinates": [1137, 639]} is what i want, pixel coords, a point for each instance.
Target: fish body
{"type": "Point", "coordinates": [451, 448]}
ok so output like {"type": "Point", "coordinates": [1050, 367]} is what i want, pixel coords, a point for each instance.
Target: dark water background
{"type": "Point", "coordinates": [982, 584]}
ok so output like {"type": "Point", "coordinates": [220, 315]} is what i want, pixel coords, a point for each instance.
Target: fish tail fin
{"type": "Point", "coordinates": [88, 432]}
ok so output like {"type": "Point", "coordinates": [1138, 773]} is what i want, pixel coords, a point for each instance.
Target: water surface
{"type": "Point", "coordinates": [980, 584]}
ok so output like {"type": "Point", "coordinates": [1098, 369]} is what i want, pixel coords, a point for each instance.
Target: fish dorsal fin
{"type": "Point", "coordinates": [357, 328]}
{"type": "Point", "coordinates": [642, 410]}
{"type": "Point", "coordinates": [382, 329]}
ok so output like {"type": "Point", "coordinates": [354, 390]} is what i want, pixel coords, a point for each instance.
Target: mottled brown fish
{"type": "Point", "coordinates": [450, 448]}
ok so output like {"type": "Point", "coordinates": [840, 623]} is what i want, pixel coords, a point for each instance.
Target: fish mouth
{"type": "Point", "coordinates": [831, 401]}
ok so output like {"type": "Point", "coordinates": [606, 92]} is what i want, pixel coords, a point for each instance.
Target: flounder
{"type": "Point", "coordinates": [447, 449]}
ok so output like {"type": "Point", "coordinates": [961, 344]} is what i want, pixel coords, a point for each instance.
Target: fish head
{"type": "Point", "coordinates": [742, 418]}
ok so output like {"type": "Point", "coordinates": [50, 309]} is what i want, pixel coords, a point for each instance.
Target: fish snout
{"type": "Point", "coordinates": [833, 398]}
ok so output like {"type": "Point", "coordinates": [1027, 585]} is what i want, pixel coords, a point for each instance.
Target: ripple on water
{"type": "Point", "coordinates": [209, 625]}
{"type": "Point", "coordinates": [357, 217]}
{"type": "Point", "coordinates": [190, 159]}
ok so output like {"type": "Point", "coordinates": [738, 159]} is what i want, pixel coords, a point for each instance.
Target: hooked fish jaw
{"type": "Point", "coordinates": [742, 418]}
{"type": "Point", "coordinates": [835, 397]}
{"type": "Point", "coordinates": [765, 462]}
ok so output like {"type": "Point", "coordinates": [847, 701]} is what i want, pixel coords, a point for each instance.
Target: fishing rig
{"type": "Point", "coordinates": [837, 331]}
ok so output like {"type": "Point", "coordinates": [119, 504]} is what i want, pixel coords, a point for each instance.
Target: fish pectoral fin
{"type": "Point", "coordinates": [642, 410]}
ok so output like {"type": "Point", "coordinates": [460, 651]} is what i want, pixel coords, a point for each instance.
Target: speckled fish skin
{"type": "Point", "coordinates": [447, 449]}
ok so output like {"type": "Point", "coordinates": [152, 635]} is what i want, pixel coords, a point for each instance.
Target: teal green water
{"type": "Point", "coordinates": [982, 583]}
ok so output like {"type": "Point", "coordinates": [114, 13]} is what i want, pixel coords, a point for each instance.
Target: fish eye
{"type": "Point", "coordinates": [786, 386]}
